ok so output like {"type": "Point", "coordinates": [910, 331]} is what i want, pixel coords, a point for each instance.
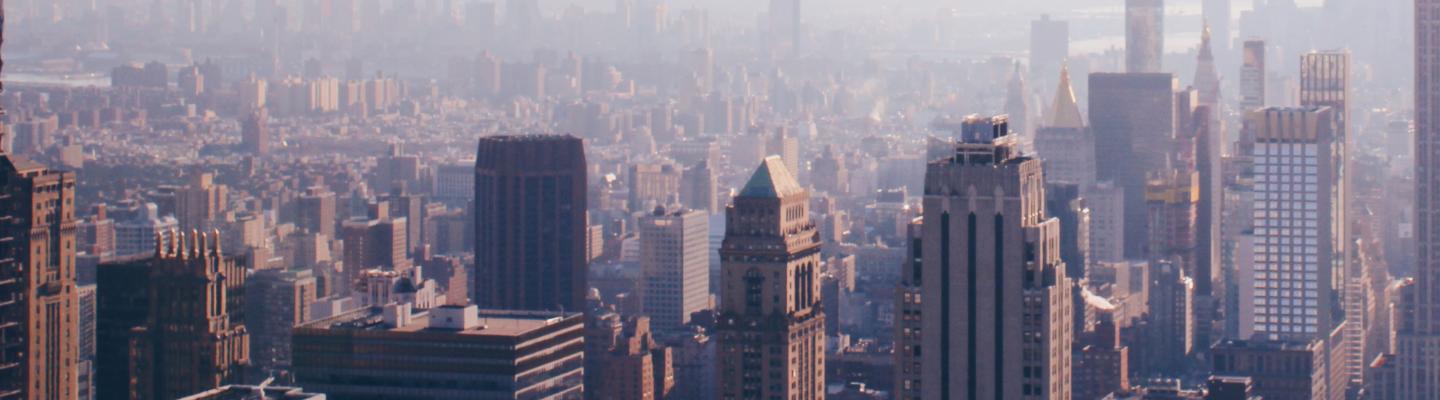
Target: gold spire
{"type": "Point", "coordinates": [1065, 113]}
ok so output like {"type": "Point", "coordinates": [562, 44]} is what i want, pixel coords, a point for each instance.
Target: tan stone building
{"type": "Point", "coordinates": [39, 306]}
{"type": "Point", "coordinates": [771, 328]}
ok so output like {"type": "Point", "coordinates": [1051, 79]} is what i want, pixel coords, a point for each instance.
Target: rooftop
{"type": "Point", "coordinates": [500, 323]}
{"type": "Point", "coordinates": [771, 179]}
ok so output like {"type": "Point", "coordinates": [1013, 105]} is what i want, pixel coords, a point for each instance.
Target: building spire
{"type": "Point", "coordinates": [1065, 113]}
{"type": "Point", "coordinates": [1207, 80]}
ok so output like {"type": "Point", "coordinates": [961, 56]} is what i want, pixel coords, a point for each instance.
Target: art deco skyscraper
{"type": "Point", "coordinates": [771, 328]}
{"type": "Point", "coordinates": [195, 338]}
{"type": "Point", "coordinates": [1416, 374]}
{"type": "Point", "coordinates": [1144, 35]}
{"type": "Point", "coordinates": [530, 199]}
{"type": "Point", "coordinates": [39, 306]}
{"type": "Point", "coordinates": [997, 315]}
{"type": "Point", "coordinates": [1207, 80]}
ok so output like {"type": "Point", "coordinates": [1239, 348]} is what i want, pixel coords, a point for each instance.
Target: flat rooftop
{"type": "Point", "coordinates": [491, 322]}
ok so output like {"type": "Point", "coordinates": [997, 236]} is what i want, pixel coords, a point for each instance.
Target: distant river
{"type": "Point", "coordinates": [77, 80]}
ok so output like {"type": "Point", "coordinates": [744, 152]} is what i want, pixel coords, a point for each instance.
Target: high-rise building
{"type": "Point", "coordinates": [675, 266]}
{"type": "Point", "coordinates": [1133, 119]}
{"type": "Point", "coordinates": [39, 306]}
{"type": "Point", "coordinates": [1144, 35]}
{"type": "Point", "coordinates": [908, 311]}
{"type": "Point", "coordinates": [1102, 364]}
{"type": "Point", "coordinates": [1064, 202]}
{"type": "Point", "coordinates": [1252, 76]}
{"type": "Point", "coordinates": [530, 200]}
{"type": "Point", "coordinates": [829, 174]}
{"type": "Point", "coordinates": [1325, 82]}
{"type": "Point", "coordinates": [652, 184]}
{"type": "Point", "coordinates": [1017, 106]}
{"type": "Point", "coordinates": [448, 352]}
{"type": "Point", "coordinates": [785, 24]}
{"type": "Point", "coordinates": [770, 328]}
{"type": "Point", "coordinates": [122, 304]}
{"type": "Point", "coordinates": [1166, 335]}
{"type": "Point", "coordinates": [698, 187]}
{"type": "Point", "coordinates": [1049, 47]}
{"type": "Point", "coordinates": [277, 300]}
{"type": "Point", "coordinates": [255, 133]}
{"type": "Point", "coordinates": [997, 312]}
{"type": "Point", "coordinates": [201, 201]}
{"type": "Point", "coordinates": [1415, 374]}
{"type": "Point", "coordinates": [316, 211]}
{"type": "Point", "coordinates": [623, 360]}
{"type": "Point", "coordinates": [1299, 222]}
{"type": "Point", "coordinates": [1207, 79]}
{"type": "Point", "coordinates": [377, 242]}
{"type": "Point", "coordinates": [1283, 370]}
{"type": "Point", "coordinates": [194, 338]}
{"type": "Point", "coordinates": [1064, 142]}
{"type": "Point", "coordinates": [1217, 16]}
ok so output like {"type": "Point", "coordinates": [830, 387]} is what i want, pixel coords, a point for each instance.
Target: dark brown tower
{"type": "Point", "coordinates": [530, 223]}
{"type": "Point", "coordinates": [255, 133]}
{"type": "Point", "coordinates": [195, 339]}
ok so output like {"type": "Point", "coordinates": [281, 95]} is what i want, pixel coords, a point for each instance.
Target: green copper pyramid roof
{"type": "Point", "coordinates": [771, 179]}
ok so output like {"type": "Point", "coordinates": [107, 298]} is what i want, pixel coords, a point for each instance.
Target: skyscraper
{"type": "Point", "coordinates": [675, 266]}
{"type": "Point", "coordinates": [770, 328]}
{"type": "Point", "coordinates": [530, 199]}
{"type": "Point", "coordinates": [1325, 82]}
{"type": "Point", "coordinates": [195, 338]}
{"type": "Point", "coordinates": [1133, 119]}
{"type": "Point", "coordinates": [785, 28]}
{"type": "Point", "coordinates": [1252, 76]}
{"type": "Point", "coordinates": [1064, 142]}
{"type": "Point", "coordinates": [1207, 80]}
{"type": "Point", "coordinates": [39, 306]}
{"type": "Point", "coordinates": [1415, 372]}
{"type": "Point", "coordinates": [995, 287]}
{"type": "Point", "coordinates": [255, 133]}
{"type": "Point", "coordinates": [1017, 105]}
{"type": "Point", "coordinates": [1049, 47]}
{"type": "Point", "coordinates": [200, 202]}
{"type": "Point", "coordinates": [1144, 35]}
{"type": "Point", "coordinates": [1217, 16]}
{"type": "Point", "coordinates": [909, 310]}
{"type": "Point", "coordinates": [316, 211]}
{"type": "Point", "coordinates": [1299, 223]}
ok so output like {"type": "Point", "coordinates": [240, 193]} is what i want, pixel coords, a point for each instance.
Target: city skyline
{"type": "Point", "coordinates": [707, 200]}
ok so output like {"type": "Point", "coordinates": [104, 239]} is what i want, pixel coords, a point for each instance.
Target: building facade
{"type": "Point", "coordinates": [1144, 35]}
{"type": "Point", "coordinates": [771, 328]}
{"type": "Point", "coordinates": [530, 200]}
{"type": "Point", "coordinates": [39, 306]}
{"type": "Point", "coordinates": [195, 337]}
{"type": "Point", "coordinates": [997, 312]}
{"type": "Point", "coordinates": [1415, 367]}
{"type": "Point", "coordinates": [1300, 222]}
{"type": "Point", "coordinates": [448, 352]}
{"type": "Point", "coordinates": [675, 266]}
